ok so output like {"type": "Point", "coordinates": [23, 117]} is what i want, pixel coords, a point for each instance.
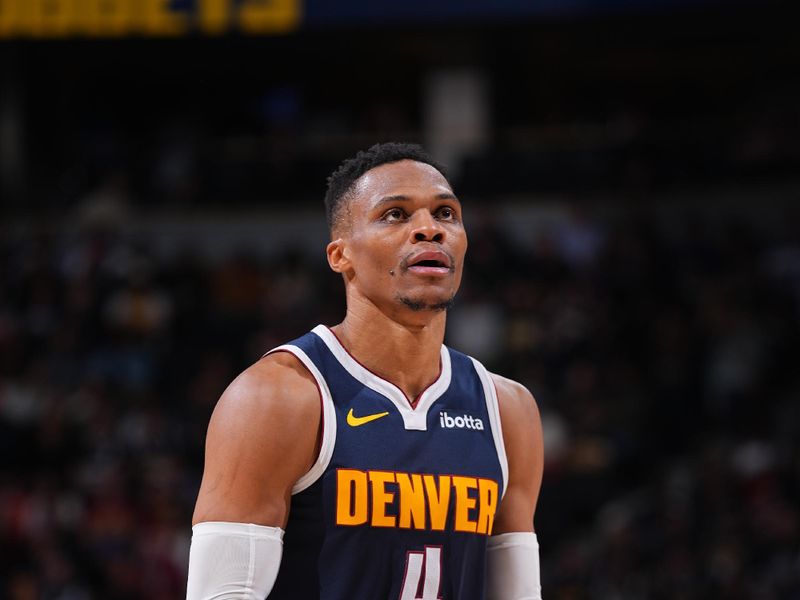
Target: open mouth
{"type": "Point", "coordinates": [430, 263]}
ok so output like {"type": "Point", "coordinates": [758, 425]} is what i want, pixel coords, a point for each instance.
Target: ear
{"type": "Point", "coordinates": [338, 256]}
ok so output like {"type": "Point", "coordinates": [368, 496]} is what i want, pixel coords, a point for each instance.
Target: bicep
{"type": "Point", "coordinates": [261, 440]}
{"type": "Point", "coordinates": [522, 436]}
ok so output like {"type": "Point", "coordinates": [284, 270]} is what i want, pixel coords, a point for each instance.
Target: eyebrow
{"type": "Point", "coordinates": [402, 198]}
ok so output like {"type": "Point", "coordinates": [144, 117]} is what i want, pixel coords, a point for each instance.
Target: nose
{"type": "Point", "coordinates": [425, 228]}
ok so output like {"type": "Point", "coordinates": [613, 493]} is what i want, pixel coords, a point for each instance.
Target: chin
{"type": "Point", "coordinates": [427, 304]}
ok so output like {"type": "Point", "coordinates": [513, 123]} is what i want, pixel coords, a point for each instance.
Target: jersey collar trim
{"type": "Point", "coordinates": [413, 417]}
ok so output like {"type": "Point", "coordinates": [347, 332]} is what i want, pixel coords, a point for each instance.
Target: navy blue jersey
{"type": "Point", "coordinates": [402, 498]}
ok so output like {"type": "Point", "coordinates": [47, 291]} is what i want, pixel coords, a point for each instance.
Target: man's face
{"type": "Point", "coordinates": [403, 238]}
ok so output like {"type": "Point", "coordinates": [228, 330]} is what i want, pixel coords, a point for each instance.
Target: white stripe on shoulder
{"type": "Point", "coordinates": [493, 408]}
{"type": "Point", "coordinates": [328, 419]}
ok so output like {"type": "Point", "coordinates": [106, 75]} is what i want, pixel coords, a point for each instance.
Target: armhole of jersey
{"type": "Point", "coordinates": [328, 419]}
{"type": "Point", "coordinates": [493, 409]}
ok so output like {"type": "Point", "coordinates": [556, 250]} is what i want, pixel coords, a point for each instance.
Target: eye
{"type": "Point", "coordinates": [394, 214]}
{"type": "Point", "coordinates": [446, 213]}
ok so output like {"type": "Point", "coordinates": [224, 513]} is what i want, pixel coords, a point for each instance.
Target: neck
{"type": "Point", "coordinates": [402, 348]}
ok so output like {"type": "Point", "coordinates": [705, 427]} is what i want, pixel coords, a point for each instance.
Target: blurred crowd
{"type": "Point", "coordinates": [664, 361]}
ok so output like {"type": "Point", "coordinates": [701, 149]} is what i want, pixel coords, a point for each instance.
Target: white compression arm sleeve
{"type": "Point", "coordinates": [233, 561]}
{"type": "Point", "coordinates": [513, 567]}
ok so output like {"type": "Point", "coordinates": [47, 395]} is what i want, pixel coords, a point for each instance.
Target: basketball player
{"type": "Point", "coordinates": [398, 468]}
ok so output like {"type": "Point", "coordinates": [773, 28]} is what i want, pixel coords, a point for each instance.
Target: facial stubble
{"type": "Point", "coordinates": [421, 305]}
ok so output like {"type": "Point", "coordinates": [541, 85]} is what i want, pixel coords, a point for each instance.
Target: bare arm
{"type": "Point", "coordinates": [522, 435]}
{"type": "Point", "coordinates": [513, 549]}
{"type": "Point", "coordinates": [262, 438]}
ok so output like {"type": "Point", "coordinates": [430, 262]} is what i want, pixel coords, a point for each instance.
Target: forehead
{"type": "Point", "coordinates": [403, 178]}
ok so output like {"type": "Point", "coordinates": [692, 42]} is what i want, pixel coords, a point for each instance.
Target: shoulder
{"type": "Point", "coordinates": [261, 439]}
{"type": "Point", "coordinates": [271, 411]}
{"type": "Point", "coordinates": [515, 400]}
{"type": "Point", "coordinates": [522, 431]}
{"type": "Point", "coordinates": [276, 385]}
{"type": "Point", "coordinates": [523, 441]}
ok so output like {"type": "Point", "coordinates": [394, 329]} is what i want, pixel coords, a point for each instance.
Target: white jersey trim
{"type": "Point", "coordinates": [493, 409]}
{"type": "Point", "coordinates": [328, 420]}
{"type": "Point", "coordinates": [413, 418]}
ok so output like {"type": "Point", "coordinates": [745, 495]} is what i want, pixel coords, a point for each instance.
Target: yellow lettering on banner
{"type": "Point", "coordinates": [160, 19]}
{"type": "Point", "coordinates": [351, 497]}
{"type": "Point", "coordinates": [380, 498]}
{"type": "Point", "coordinates": [58, 18]}
{"type": "Point", "coordinates": [15, 17]}
{"type": "Point", "coordinates": [464, 503]}
{"type": "Point", "coordinates": [438, 500]}
{"type": "Point", "coordinates": [214, 17]}
{"type": "Point", "coordinates": [7, 15]}
{"type": "Point", "coordinates": [51, 18]}
{"type": "Point", "coordinates": [112, 18]}
{"type": "Point", "coordinates": [487, 505]}
{"type": "Point", "coordinates": [269, 16]}
{"type": "Point", "coordinates": [412, 501]}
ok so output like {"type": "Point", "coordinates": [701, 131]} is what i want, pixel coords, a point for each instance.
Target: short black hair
{"type": "Point", "coordinates": [340, 183]}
